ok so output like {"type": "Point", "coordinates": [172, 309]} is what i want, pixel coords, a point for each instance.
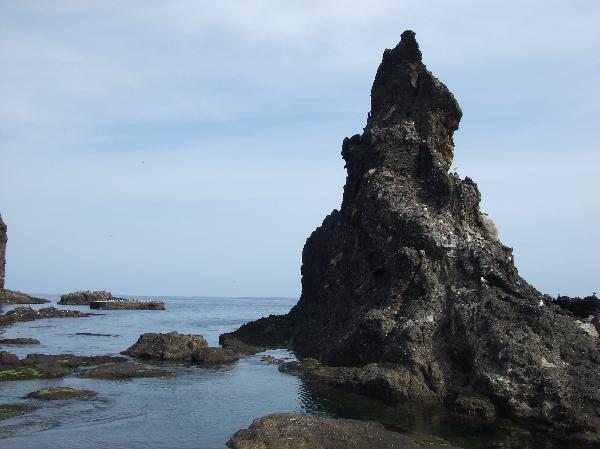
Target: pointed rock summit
{"type": "Point", "coordinates": [407, 292]}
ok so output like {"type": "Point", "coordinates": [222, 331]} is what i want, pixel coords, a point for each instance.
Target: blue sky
{"type": "Point", "coordinates": [190, 147]}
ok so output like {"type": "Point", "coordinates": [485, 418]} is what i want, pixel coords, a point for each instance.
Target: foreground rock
{"type": "Point", "coordinates": [43, 366]}
{"type": "Point", "coordinates": [124, 370]}
{"type": "Point", "coordinates": [11, 410]}
{"type": "Point", "coordinates": [127, 304]}
{"type": "Point", "coordinates": [292, 431]}
{"type": "Point", "coordinates": [28, 314]}
{"type": "Point", "coordinates": [172, 346]}
{"type": "Point", "coordinates": [84, 297]}
{"type": "Point", "coordinates": [408, 289]}
{"type": "Point", "coordinates": [19, 341]}
{"type": "Point", "coordinates": [61, 393]}
{"type": "Point", "coordinates": [15, 297]}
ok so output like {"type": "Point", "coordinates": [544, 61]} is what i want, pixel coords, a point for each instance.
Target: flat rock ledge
{"type": "Point", "coordinates": [28, 314]}
{"type": "Point", "coordinates": [125, 370]}
{"type": "Point", "coordinates": [293, 431]}
{"type": "Point", "coordinates": [15, 297]}
{"type": "Point", "coordinates": [127, 304]}
{"type": "Point", "coordinates": [43, 366]}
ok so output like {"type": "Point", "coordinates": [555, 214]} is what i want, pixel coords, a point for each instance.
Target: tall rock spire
{"type": "Point", "coordinates": [407, 290]}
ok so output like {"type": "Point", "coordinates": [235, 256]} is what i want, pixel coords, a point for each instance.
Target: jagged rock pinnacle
{"type": "Point", "coordinates": [407, 290]}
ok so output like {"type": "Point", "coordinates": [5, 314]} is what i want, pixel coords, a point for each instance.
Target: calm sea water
{"type": "Point", "coordinates": [200, 408]}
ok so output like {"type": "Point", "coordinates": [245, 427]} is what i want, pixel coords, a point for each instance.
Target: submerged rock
{"type": "Point", "coordinates": [61, 393]}
{"type": "Point", "coordinates": [408, 291]}
{"type": "Point", "coordinates": [171, 346]}
{"type": "Point", "coordinates": [19, 341]}
{"type": "Point", "coordinates": [124, 370]}
{"type": "Point", "coordinates": [11, 410]}
{"type": "Point", "coordinates": [293, 431]}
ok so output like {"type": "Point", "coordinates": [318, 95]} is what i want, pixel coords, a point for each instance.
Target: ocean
{"type": "Point", "coordinates": [200, 408]}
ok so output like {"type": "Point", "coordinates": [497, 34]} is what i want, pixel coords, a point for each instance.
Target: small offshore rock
{"type": "Point", "coordinates": [125, 370]}
{"type": "Point", "coordinates": [19, 341]}
{"type": "Point", "coordinates": [214, 356]}
{"type": "Point", "coordinates": [84, 297]}
{"type": "Point", "coordinates": [294, 431]}
{"type": "Point", "coordinates": [171, 346]}
{"type": "Point", "coordinates": [127, 304]}
{"type": "Point", "coordinates": [61, 393]}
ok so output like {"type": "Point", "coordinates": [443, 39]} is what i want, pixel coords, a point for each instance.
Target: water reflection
{"type": "Point", "coordinates": [424, 422]}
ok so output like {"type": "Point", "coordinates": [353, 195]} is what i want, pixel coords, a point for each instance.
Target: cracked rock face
{"type": "Point", "coordinates": [3, 240]}
{"type": "Point", "coordinates": [408, 291]}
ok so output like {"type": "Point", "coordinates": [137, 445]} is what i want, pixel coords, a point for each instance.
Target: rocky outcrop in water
{"type": "Point", "coordinates": [84, 297]}
{"type": "Point", "coordinates": [3, 241]}
{"type": "Point", "coordinates": [28, 314]}
{"type": "Point", "coordinates": [127, 304]}
{"type": "Point", "coordinates": [171, 346]}
{"type": "Point", "coordinates": [293, 431]}
{"type": "Point", "coordinates": [125, 370]}
{"type": "Point", "coordinates": [407, 291]}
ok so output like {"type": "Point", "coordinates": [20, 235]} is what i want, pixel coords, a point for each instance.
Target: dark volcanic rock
{"type": "Point", "coordinates": [84, 297]}
{"type": "Point", "coordinates": [407, 289]}
{"type": "Point", "coordinates": [171, 346]}
{"type": "Point", "coordinates": [3, 241]}
{"type": "Point", "coordinates": [19, 341]}
{"type": "Point", "coordinates": [36, 366]}
{"type": "Point", "coordinates": [29, 314]}
{"type": "Point", "coordinates": [15, 297]}
{"type": "Point", "coordinates": [214, 356]}
{"type": "Point", "coordinates": [124, 370]}
{"type": "Point", "coordinates": [292, 431]}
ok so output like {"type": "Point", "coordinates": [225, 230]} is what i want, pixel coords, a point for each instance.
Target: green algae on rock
{"type": "Point", "coordinates": [60, 393]}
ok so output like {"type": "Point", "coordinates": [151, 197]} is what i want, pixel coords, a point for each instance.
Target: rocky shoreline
{"type": "Point", "coordinates": [408, 293]}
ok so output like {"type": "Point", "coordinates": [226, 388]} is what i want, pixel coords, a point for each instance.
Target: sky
{"type": "Point", "coordinates": [190, 147]}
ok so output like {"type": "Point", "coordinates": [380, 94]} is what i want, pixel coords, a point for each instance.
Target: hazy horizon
{"type": "Point", "coordinates": [189, 148]}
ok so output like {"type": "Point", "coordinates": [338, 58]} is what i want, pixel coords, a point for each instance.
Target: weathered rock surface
{"type": "Point", "coordinates": [15, 297]}
{"type": "Point", "coordinates": [61, 393]}
{"type": "Point", "coordinates": [28, 314]}
{"type": "Point", "coordinates": [214, 356]}
{"type": "Point", "coordinates": [36, 366]}
{"type": "Point", "coordinates": [19, 341]}
{"type": "Point", "coordinates": [124, 370]}
{"type": "Point", "coordinates": [293, 431]}
{"type": "Point", "coordinates": [3, 241]}
{"type": "Point", "coordinates": [408, 291]}
{"type": "Point", "coordinates": [172, 346]}
{"type": "Point", "coordinates": [84, 297]}
{"type": "Point", "coordinates": [127, 304]}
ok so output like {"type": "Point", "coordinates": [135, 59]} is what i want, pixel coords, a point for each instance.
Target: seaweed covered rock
{"type": "Point", "coordinates": [409, 293]}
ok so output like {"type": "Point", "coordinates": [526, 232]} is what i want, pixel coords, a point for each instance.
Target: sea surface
{"type": "Point", "coordinates": [200, 408]}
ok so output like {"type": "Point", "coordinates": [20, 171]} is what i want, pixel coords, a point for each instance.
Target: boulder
{"type": "Point", "coordinates": [61, 393]}
{"type": "Point", "coordinates": [407, 290]}
{"type": "Point", "coordinates": [293, 431]}
{"type": "Point", "coordinates": [172, 346]}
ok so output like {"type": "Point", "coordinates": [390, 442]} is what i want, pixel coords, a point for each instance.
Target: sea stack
{"type": "Point", "coordinates": [3, 240]}
{"type": "Point", "coordinates": [407, 291]}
